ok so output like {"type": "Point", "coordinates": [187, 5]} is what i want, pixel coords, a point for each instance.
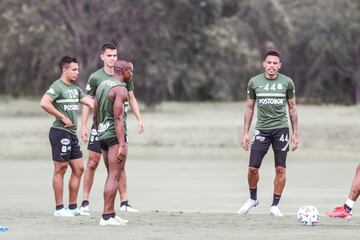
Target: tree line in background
{"type": "Point", "coordinates": [186, 50]}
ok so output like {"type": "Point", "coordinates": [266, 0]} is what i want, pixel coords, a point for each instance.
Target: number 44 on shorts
{"type": "Point", "coordinates": [282, 139]}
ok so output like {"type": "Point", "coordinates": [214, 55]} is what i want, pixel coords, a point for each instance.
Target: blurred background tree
{"type": "Point", "coordinates": [186, 50]}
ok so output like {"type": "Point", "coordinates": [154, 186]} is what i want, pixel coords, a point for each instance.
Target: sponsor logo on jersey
{"type": "Point", "coordinates": [65, 141]}
{"type": "Point", "coordinates": [51, 91]}
{"type": "Point", "coordinates": [103, 126]}
{"type": "Point", "coordinates": [71, 107]}
{"type": "Point", "coordinates": [271, 101]}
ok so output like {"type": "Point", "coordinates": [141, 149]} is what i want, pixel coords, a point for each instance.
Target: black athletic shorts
{"type": "Point", "coordinates": [94, 144]}
{"type": "Point", "coordinates": [106, 143]}
{"type": "Point", "coordinates": [278, 138]}
{"type": "Point", "coordinates": [64, 145]}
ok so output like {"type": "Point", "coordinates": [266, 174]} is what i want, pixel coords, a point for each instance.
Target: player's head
{"type": "Point", "coordinates": [123, 68]}
{"type": "Point", "coordinates": [272, 63]}
{"type": "Point", "coordinates": [69, 68]}
{"type": "Point", "coordinates": [108, 54]}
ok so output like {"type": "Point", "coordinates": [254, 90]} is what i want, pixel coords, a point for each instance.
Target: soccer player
{"type": "Point", "coordinates": [273, 93]}
{"type": "Point", "coordinates": [109, 118]}
{"type": "Point", "coordinates": [61, 100]}
{"type": "Point", "coordinates": [344, 211]}
{"type": "Point", "coordinates": [108, 56]}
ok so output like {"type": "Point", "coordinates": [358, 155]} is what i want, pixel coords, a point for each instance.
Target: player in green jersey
{"type": "Point", "coordinates": [273, 93]}
{"type": "Point", "coordinates": [108, 56]}
{"type": "Point", "coordinates": [108, 118]}
{"type": "Point", "coordinates": [344, 211]}
{"type": "Point", "coordinates": [61, 100]}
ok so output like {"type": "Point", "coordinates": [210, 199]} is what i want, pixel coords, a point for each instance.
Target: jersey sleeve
{"type": "Point", "coordinates": [53, 91]}
{"type": "Point", "coordinates": [130, 85]}
{"type": "Point", "coordinates": [251, 94]}
{"type": "Point", "coordinates": [290, 92]}
{"type": "Point", "coordinates": [91, 86]}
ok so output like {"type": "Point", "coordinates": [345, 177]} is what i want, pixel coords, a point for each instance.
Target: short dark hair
{"type": "Point", "coordinates": [272, 52]}
{"type": "Point", "coordinates": [108, 46]}
{"type": "Point", "coordinates": [65, 62]}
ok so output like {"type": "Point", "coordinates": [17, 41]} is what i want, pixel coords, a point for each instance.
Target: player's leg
{"type": "Point", "coordinates": [111, 186]}
{"type": "Point", "coordinates": [91, 166]}
{"type": "Point", "coordinates": [60, 168]}
{"type": "Point", "coordinates": [259, 148]}
{"type": "Point", "coordinates": [345, 210]}
{"type": "Point", "coordinates": [280, 144]}
{"type": "Point", "coordinates": [77, 169]}
{"type": "Point", "coordinates": [60, 141]}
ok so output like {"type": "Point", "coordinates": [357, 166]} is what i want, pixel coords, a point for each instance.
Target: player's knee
{"type": "Point", "coordinates": [92, 164]}
{"type": "Point", "coordinates": [280, 171]}
{"type": "Point", "coordinates": [253, 171]}
{"type": "Point", "coordinates": [61, 170]}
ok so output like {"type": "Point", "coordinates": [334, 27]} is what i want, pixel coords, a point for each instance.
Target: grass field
{"type": "Point", "coordinates": [187, 175]}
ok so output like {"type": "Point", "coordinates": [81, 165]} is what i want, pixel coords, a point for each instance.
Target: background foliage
{"type": "Point", "coordinates": [187, 50]}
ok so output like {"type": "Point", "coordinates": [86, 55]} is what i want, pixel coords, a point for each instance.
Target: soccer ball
{"type": "Point", "coordinates": [308, 215]}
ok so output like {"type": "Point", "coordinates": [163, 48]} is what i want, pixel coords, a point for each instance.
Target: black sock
{"type": "Point", "coordinates": [276, 199]}
{"type": "Point", "coordinates": [58, 207]}
{"type": "Point", "coordinates": [85, 203]}
{"type": "Point", "coordinates": [72, 206]}
{"type": "Point", "coordinates": [347, 208]}
{"type": "Point", "coordinates": [253, 193]}
{"type": "Point", "coordinates": [124, 203]}
{"type": "Point", "coordinates": [106, 216]}
{"type": "Point", "coordinates": [113, 215]}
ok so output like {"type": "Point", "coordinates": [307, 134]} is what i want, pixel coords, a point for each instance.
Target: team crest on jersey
{"type": "Point", "coordinates": [279, 86]}
{"type": "Point", "coordinates": [65, 141]}
{"type": "Point", "coordinates": [51, 91]}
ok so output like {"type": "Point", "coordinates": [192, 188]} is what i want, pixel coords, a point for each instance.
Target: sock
{"type": "Point", "coordinates": [253, 193]}
{"type": "Point", "coordinates": [106, 216]}
{"type": "Point", "coordinates": [124, 203]}
{"type": "Point", "coordinates": [72, 206]}
{"type": "Point", "coordinates": [276, 199]}
{"type": "Point", "coordinates": [85, 203]}
{"type": "Point", "coordinates": [113, 215]}
{"type": "Point", "coordinates": [349, 205]}
{"type": "Point", "coordinates": [58, 207]}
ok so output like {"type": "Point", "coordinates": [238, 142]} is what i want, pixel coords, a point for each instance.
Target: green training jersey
{"type": "Point", "coordinates": [97, 77]}
{"type": "Point", "coordinates": [271, 97]}
{"type": "Point", "coordinates": [65, 99]}
{"type": "Point", "coordinates": [106, 128]}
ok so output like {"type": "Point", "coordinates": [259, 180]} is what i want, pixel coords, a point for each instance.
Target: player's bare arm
{"type": "Point", "coordinates": [84, 118]}
{"type": "Point", "coordinates": [119, 95]}
{"type": "Point", "coordinates": [136, 110]}
{"type": "Point", "coordinates": [46, 104]}
{"type": "Point", "coordinates": [249, 112]}
{"type": "Point", "coordinates": [294, 123]}
{"type": "Point", "coordinates": [87, 101]}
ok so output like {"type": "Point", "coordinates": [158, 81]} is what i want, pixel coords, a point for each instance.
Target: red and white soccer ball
{"type": "Point", "coordinates": [308, 215]}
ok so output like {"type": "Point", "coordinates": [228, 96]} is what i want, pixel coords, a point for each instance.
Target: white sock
{"type": "Point", "coordinates": [350, 203]}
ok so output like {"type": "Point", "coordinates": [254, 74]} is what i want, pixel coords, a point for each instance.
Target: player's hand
{"type": "Point", "coordinates": [246, 142]}
{"type": "Point", "coordinates": [84, 134]}
{"type": "Point", "coordinates": [141, 127]}
{"type": "Point", "coordinates": [67, 122]}
{"type": "Point", "coordinates": [294, 142]}
{"type": "Point", "coordinates": [122, 153]}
